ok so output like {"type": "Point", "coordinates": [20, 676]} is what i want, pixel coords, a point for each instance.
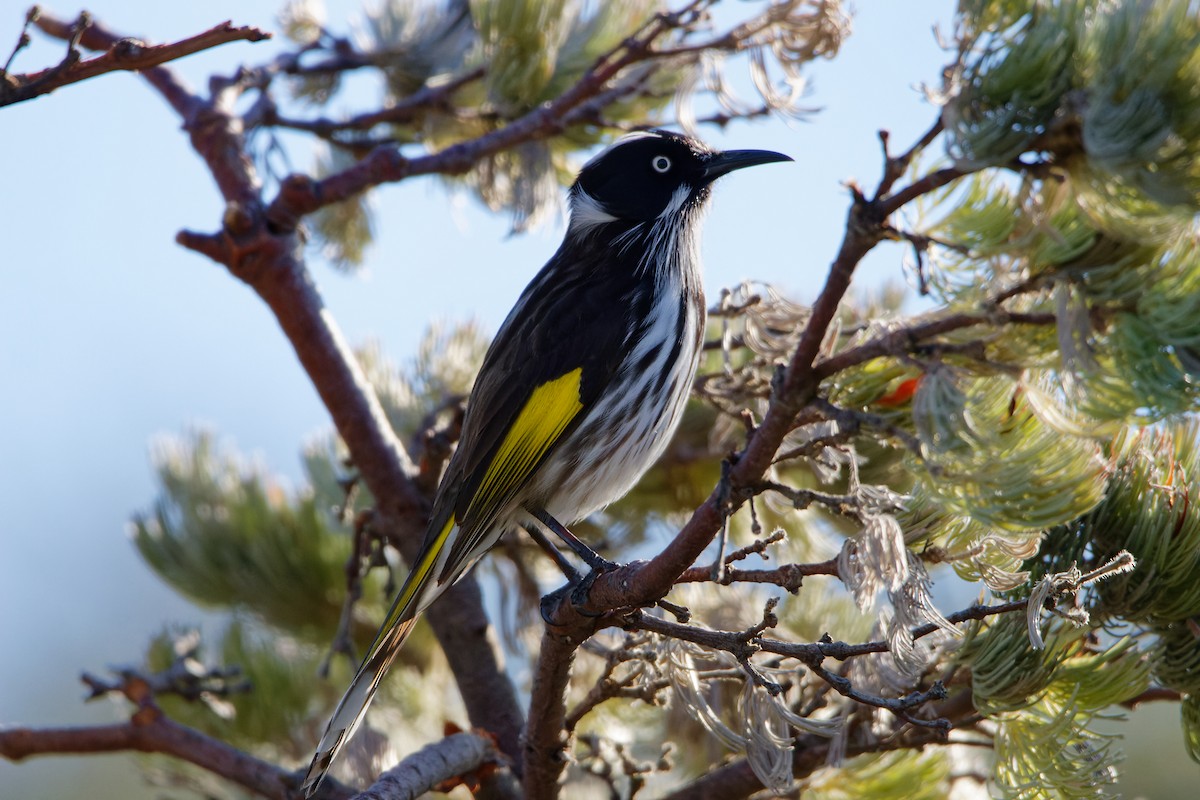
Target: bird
{"type": "Point", "coordinates": [582, 387]}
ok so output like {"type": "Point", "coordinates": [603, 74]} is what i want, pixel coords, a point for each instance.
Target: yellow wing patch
{"type": "Point", "coordinates": [545, 415]}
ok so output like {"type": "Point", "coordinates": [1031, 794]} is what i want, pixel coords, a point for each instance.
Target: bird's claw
{"type": "Point", "coordinates": [576, 592]}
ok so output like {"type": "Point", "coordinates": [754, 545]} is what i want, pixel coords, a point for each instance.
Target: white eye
{"type": "Point", "coordinates": [660, 164]}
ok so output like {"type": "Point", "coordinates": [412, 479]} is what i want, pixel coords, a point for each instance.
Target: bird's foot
{"type": "Point", "coordinates": [579, 592]}
{"type": "Point", "coordinates": [576, 591]}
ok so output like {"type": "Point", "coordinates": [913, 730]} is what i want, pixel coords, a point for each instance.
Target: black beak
{"type": "Point", "coordinates": [724, 163]}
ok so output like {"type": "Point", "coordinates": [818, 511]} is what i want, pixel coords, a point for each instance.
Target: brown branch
{"type": "Point", "coordinates": [736, 779]}
{"type": "Point", "coordinates": [1151, 695]}
{"type": "Point", "coordinates": [900, 706]}
{"type": "Point", "coordinates": [607, 687]}
{"type": "Point", "coordinates": [902, 340]}
{"type": "Point", "coordinates": [119, 54]}
{"type": "Point", "coordinates": [786, 576]}
{"type": "Point", "coordinates": [841, 651]}
{"type": "Point", "coordinates": [270, 263]}
{"type": "Point", "coordinates": [895, 166]}
{"type": "Point", "coordinates": [405, 110]}
{"type": "Point", "coordinates": [426, 770]}
{"type": "Point", "coordinates": [150, 731]}
{"type": "Point", "coordinates": [923, 186]}
{"type": "Point", "coordinates": [299, 195]}
{"type": "Point", "coordinates": [545, 751]}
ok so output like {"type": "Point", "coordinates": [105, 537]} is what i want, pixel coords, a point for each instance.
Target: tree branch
{"type": "Point", "coordinates": [900, 341]}
{"type": "Point", "coordinates": [270, 263]}
{"type": "Point", "coordinates": [431, 767]}
{"type": "Point", "coordinates": [403, 111]}
{"type": "Point", "coordinates": [150, 731]}
{"type": "Point", "coordinates": [736, 779]}
{"type": "Point", "coordinates": [546, 736]}
{"type": "Point", "coordinates": [300, 195]}
{"type": "Point", "coordinates": [121, 54]}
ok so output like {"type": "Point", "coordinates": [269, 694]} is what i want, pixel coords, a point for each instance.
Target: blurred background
{"type": "Point", "coordinates": [111, 335]}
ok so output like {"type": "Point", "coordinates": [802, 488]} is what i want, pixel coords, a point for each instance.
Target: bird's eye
{"type": "Point", "coordinates": [660, 164]}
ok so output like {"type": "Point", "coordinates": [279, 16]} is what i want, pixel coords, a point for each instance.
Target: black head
{"type": "Point", "coordinates": [648, 173]}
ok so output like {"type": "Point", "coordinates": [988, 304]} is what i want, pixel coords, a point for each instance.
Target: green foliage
{"type": "Point", "coordinates": [275, 715]}
{"type": "Point", "coordinates": [1190, 714]}
{"type": "Point", "coordinates": [1148, 510]}
{"type": "Point", "coordinates": [1048, 752]}
{"type": "Point", "coordinates": [522, 40]}
{"type": "Point", "coordinates": [991, 458]}
{"type": "Point", "coordinates": [1013, 83]}
{"type": "Point", "coordinates": [1045, 703]}
{"type": "Point", "coordinates": [344, 230]}
{"type": "Point", "coordinates": [1007, 672]}
{"type": "Point", "coordinates": [226, 535]}
{"type": "Point", "coordinates": [1104, 96]}
{"type": "Point", "coordinates": [1177, 659]}
{"type": "Point", "coordinates": [1126, 318]}
{"type": "Point", "coordinates": [910, 775]}
{"type": "Point", "coordinates": [1140, 67]}
{"type": "Point", "coordinates": [1125, 72]}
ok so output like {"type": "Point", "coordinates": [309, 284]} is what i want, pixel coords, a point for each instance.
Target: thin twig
{"type": "Point", "coordinates": [124, 54]}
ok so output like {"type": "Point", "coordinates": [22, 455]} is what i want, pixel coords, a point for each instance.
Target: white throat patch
{"type": "Point", "coordinates": [675, 204]}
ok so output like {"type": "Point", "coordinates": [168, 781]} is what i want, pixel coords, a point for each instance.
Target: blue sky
{"type": "Point", "coordinates": [110, 334]}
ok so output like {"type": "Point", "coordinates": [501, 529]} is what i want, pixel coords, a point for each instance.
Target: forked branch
{"type": "Point", "coordinates": [125, 54]}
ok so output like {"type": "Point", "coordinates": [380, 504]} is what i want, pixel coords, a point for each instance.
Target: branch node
{"type": "Point", "coordinates": [238, 220]}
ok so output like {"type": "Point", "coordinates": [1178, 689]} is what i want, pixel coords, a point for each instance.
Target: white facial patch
{"type": "Point", "coordinates": [586, 212]}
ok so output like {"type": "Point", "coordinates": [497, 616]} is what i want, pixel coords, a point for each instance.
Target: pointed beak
{"type": "Point", "coordinates": [724, 163]}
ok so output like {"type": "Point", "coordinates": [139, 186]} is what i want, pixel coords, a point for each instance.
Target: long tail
{"type": "Point", "coordinates": [353, 706]}
{"type": "Point", "coordinates": [419, 591]}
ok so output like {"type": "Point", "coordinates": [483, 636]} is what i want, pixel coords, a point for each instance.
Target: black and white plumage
{"type": "Point", "coordinates": [583, 385]}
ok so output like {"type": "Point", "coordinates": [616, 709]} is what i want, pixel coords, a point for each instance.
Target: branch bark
{"type": "Point", "coordinates": [122, 54]}
{"type": "Point", "coordinates": [736, 779]}
{"type": "Point", "coordinates": [546, 738]}
{"type": "Point", "coordinates": [300, 195]}
{"type": "Point", "coordinates": [434, 765]}
{"type": "Point", "coordinates": [149, 731]}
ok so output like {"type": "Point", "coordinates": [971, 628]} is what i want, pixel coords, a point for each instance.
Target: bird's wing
{"type": "Point", "coordinates": [559, 349]}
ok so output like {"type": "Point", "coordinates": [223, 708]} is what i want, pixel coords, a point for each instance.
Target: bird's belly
{"type": "Point", "coordinates": [611, 449]}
